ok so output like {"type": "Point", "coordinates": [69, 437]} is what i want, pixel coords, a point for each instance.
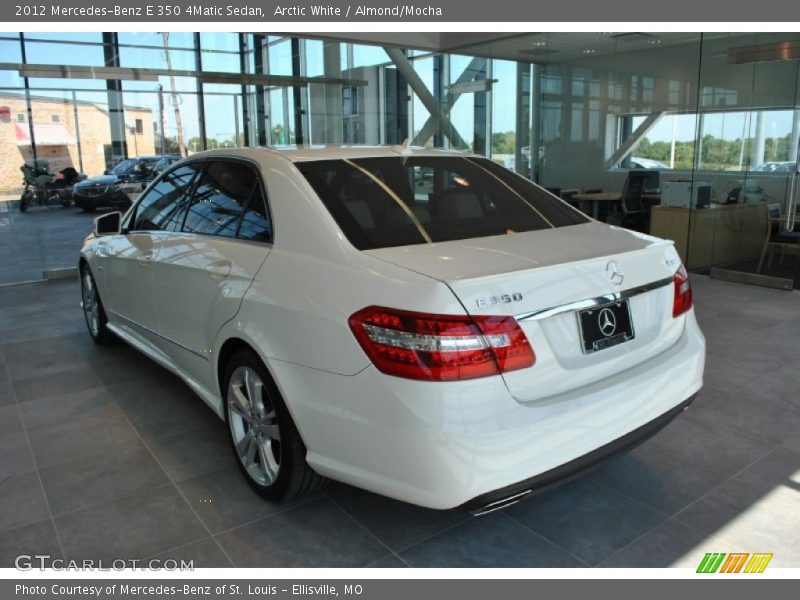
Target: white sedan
{"type": "Point", "coordinates": [423, 324]}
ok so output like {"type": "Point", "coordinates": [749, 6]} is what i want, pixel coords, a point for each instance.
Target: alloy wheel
{"type": "Point", "coordinates": [91, 305]}
{"type": "Point", "coordinates": [254, 426]}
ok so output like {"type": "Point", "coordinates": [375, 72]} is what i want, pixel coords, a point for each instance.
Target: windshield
{"type": "Point", "coordinates": [123, 167]}
{"type": "Point", "coordinates": [163, 164]}
{"type": "Point", "coordinates": [400, 201]}
{"type": "Point", "coordinates": [128, 166]}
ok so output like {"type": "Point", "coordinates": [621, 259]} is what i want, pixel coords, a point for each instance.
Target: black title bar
{"type": "Point", "coordinates": [293, 11]}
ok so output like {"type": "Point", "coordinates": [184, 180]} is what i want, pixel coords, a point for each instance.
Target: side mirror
{"type": "Point", "coordinates": [109, 224]}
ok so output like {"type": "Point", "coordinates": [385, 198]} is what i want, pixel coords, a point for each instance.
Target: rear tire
{"type": "Point", "coordinates": [93, 309]}
{"type": "Point", "coordinates": [264, 439]}
{"type": "Point", "coordinates": [23, 203]}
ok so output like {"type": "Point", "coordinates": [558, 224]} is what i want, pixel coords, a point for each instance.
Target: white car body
{"type": "Point", "coordinates": [179, 298]}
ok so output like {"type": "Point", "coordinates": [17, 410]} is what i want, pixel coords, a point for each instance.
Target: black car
{"type": "Point", "coordinates": [118, 187]}
{"type": "Point", "coordinates": [162, 164]}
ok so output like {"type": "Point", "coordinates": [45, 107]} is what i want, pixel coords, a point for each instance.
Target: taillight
{"type": "Point", "coordinates": [440, 347]}
{"type": "Point", "coordinates": [683, 292]}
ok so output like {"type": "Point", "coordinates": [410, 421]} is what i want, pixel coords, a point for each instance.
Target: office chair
{"type": "Point", "coordinates": [776, 238]}
{"type": "Point", "coordinates": [635, 215]}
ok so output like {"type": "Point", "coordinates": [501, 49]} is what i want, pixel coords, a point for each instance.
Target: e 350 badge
{"type": "Point", "coordinates": [501, 299]}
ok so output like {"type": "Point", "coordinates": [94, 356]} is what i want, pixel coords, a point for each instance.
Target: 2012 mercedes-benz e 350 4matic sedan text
{"type": "Point", "coordinates": [423, 324]}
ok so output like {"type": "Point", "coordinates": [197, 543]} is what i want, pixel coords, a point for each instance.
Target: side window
{"type": "Point", "coordinates": [161, 209]}
{"type": "Point", "coordinates": [219, 200]}
{"type": "Point", "coordinates": [256, 225]}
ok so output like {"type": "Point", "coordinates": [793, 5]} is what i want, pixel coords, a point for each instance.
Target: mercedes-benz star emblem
{"type": "Point", "coordinates": [607, 322]}
{"type": "Point", "coordinates": [614, 272]}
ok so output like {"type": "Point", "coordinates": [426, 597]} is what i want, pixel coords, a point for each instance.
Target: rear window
{"type": "Point", "coordinates": [401, 201]}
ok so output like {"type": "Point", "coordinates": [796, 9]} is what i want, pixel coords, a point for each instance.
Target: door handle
{"type": "Point", "coordinates": [219, 269]}
{"type": "Point", "coordinates": [145, 258]}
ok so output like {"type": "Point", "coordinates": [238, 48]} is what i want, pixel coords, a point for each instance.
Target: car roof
{"type": "Point", "coordinates": [330, 151]}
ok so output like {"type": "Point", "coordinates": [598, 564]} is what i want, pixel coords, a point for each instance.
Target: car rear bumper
{"type": "Point", "coordinates": [469, 443]}
{"type": "Point", "coordinates": [577, 467]}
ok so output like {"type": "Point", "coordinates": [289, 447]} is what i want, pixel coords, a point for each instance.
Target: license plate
{"type": "Point", "coordinates": [605, 326]}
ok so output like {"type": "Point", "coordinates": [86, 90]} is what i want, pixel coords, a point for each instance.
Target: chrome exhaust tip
{"type": "Point", "coordinates": [500, 504]}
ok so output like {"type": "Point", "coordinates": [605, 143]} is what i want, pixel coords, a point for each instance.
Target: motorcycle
{"type": "Point", "coordinates": [43, 187]}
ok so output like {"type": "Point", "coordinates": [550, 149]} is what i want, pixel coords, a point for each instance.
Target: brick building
{"type": "Point", "coordinates": [85, 145]}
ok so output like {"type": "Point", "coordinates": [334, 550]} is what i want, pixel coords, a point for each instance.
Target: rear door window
{"type": "Point", "coordinates": [220, 198]}
{"type": "Point", "coordinates": [397, 201]}
{"type": "Point", "coordinates": [256, 224]}
{"type": "Point", "coordinates": [161, 208]}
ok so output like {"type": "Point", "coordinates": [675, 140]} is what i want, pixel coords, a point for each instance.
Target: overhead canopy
{"type": "Point", "coordinates": [45, 134]}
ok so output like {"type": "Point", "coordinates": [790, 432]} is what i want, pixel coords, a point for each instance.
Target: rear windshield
{"type": "Point", "coordinates": [401, 201]}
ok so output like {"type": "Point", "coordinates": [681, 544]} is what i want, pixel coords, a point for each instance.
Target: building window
{"type": "Point", "coordinates": [139, 126]}
{"type": "Point", "coordinates": [20, 117]}
{"type": "Point", "coordinates": [55, 118]}
{"type": "Point", "coordinates": [350, 101]}
{"type": "Point", "coordinates": [351, 122]}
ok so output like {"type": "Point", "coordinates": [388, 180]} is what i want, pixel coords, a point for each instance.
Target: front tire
{"type": "Point", "coordinates": [265, 441]}
{"type": "Point", "coordinates": [93, 308]}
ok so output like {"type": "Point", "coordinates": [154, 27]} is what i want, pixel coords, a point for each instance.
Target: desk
{"type": "Point", "coordinates": [596, 198]}
{"type": "Point", "coordinates": [720, 234]}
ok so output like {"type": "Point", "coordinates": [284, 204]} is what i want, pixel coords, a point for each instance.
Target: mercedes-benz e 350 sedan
{"type": "Point", "coordinates": [423, 324]}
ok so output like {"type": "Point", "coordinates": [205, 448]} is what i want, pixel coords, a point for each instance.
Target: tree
{"type": "Point", "coordinates": [504, 142]}
{"type": "Point", "coordinates": [717, 153]}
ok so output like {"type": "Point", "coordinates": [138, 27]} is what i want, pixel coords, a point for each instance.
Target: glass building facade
{"type": "Point", "coordinates": [575, 112]}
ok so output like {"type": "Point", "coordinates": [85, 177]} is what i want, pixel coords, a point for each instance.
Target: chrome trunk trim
{"type": "Point", "coordinates": [592, 302]}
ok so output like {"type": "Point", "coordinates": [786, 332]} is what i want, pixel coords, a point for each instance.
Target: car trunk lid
{"type": "Point", "coordinates": [544, 278]}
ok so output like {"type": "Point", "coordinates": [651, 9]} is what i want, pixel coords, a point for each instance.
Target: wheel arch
{"type": "Point", "coordinates": [230, 347]}
{"type": "Point", "coordinates": [227, 350]}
